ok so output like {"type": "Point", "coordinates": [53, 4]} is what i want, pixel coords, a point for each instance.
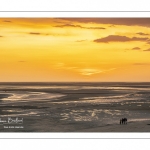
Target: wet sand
{"type": "Point", "coordinates": [79, 110]}
{"type": "Point", "coordinates": [52, 121]}
{"type": "Point", "coordinates": [136, 126]}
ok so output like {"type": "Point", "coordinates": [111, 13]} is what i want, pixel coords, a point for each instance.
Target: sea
{"type": "Point", "coordinates": [71, 106]}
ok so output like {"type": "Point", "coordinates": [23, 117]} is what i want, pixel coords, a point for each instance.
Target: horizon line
{"type": "Point", "coordinates": [73, 81]}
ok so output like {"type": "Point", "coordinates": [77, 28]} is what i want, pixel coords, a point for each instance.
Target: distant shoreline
{"type": "Point", "coordinates": [75, 82]}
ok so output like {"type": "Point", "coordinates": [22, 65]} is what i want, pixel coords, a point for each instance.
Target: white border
{"type": "Point", "coordinates": [74, 5]}
{"type": "Point", "coordinates": [73, 135]}
{"type": "Point", "coordinates": [73, 14]}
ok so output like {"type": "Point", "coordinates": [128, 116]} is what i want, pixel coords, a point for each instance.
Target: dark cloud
{"type": "Point", "coordinates": [78, 26]}
{"type": "Point", "coordinates": [101, 28]}
{"type": "Point", "coordinates": [1, 36]}
{"type": "Point", "coordinates": [47, 34]}
{"type": "Point", "coordinates": [141, 64]}
{"type": "Point", "coordinates": [114, 21]}
{"type": "Point", "coordinates": [118, 38]}
{"type": "Point", "coordinates": [7, 21]}
{"type": "Point", "coordinates": [141, 33]}
{"type": "Point", "coordinates": [68, 25]}
{"type": "Point", "coordinates": [110, 21]}
{"type": "Point", "coordinates": [147, 50]}
{"type": "Point", "coordinates": [136, 48]}
{"type": "Point", "coordinates": [38, 33]}
{"type": "Point", "coordinates": [35, 33]}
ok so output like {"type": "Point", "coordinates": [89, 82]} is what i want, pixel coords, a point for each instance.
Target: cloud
{"type": "Point", "coordinates": [101, 28]}
{"type": "Point", "coordinates": [147, 50]}
{"type": "Point", "coordinates": [1, 36]}
{"type": "Point", "coordinates": [90, 71]}
{"type": "Point", "coordinates": [118, 38]}
{"type": "Point", "coordinates": [82, 71]}
{"type": "Point", "coordinates": [7, 21]}
{"type": "Point", "coordinates": [136, 48]}
{"type": "Point", "coordinates": [114, 21]}
{"type": "Point", "coordinates": [46, 22]}
{"type": "Point", "coordinates": [68, 25]}
{"type": "Point", "coordinates": [78, 26]}
{"type": "Point", "coordinates": [141, 33]}
{"type": "Point", "coordinates": [35, 33]}
{"type": "Point", "coordinates": [48, 34]}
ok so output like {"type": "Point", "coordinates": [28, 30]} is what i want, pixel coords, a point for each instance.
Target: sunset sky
{"type": "Point", "coordinates": [74, 49]}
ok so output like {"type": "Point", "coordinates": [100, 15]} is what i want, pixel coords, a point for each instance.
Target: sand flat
{"type": "Point", "coordinates": [136, 126]}
{"type": "Point", "coordinates": [86, 107]}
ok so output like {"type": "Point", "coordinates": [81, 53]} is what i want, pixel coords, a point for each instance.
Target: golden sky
{"type": "Point", "coordinates": [74, 49]}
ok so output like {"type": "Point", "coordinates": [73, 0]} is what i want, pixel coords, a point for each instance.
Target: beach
{"type": "Point", "coordinates": [136, 126]}
{"type": "Point", "coordinates": [75, 107]}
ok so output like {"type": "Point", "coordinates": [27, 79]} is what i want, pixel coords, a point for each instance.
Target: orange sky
{"type": "Point", "coordinates": [74, 49]}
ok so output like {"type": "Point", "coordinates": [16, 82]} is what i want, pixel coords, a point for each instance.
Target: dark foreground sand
{"type": "Point", "coordinates": [45, 125]}
{"type": "Point", "coordinates": [44, 117]}
{"type": "Point", "coordinates": [143, 126]}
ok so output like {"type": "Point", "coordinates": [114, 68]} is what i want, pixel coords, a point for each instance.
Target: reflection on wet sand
{"type": "Point", "coordinates": [74, 107]}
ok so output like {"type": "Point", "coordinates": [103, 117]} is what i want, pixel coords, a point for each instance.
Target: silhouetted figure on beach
{"type": "Point", "coordinates": [123, 121]}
